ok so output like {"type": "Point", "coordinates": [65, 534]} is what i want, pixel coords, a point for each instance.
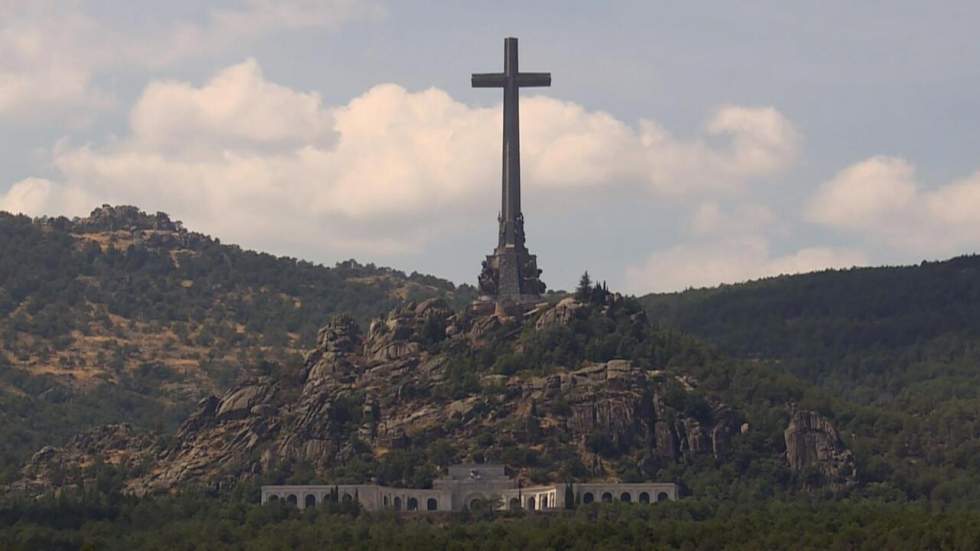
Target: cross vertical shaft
{"type": "Point", "coordinates": [510, 208]}
{"type": "Point", "coordinates": [511, 272]}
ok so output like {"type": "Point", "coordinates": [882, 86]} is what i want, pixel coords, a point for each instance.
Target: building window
{"type": "Point", "coordinates": [398, 504]}
{"type": "Point", "coordinates": [291, 499]}
{"type": "Point", "coordinates": [644, 497]}
{"type": "Point", "coordinates": [606, 497]}
{"type": "Point", "coordinates": [386, 501]}
{"type": "Point", "coordinates": [662, 496]}
{"type": "Point", "coordinates": [413, 504]}
{"type": "Point", "coordinates": [348, 498]}
{"type": "Point", "coordinates": [273, 497]}
{"type": "Point", "coordinates": [587, 497]}
{"type": "Point", "coordinates": [431, 504]}
{"type": "Point", "coordinates": [310, 500]}
{"type": "Point", "coordinates": [625, 497]}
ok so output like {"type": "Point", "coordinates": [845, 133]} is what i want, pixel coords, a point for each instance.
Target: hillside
{"type": "Point", "coordinates": [583, 389]}
{"type": "Point", "coordinates": [579, 390]}
{"type": "Point", "coordinates": [859, 383]}
{"type": "Point", "coordinates": [902, 344]}
{"type": "Point", "coordinates": [126, 316]}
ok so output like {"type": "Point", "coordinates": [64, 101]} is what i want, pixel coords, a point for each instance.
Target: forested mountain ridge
{"type": "Point", "coordinates": [901, 344]}
{"type": "Point", "coordinates": [832, 313]}
{"type": "Point", "coordinates": [128, 316]}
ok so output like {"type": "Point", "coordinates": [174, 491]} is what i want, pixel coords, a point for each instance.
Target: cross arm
{"type": "Point", "coordinates": [534, 79]}
{"type": "Point", "coordinates": [488, 80]}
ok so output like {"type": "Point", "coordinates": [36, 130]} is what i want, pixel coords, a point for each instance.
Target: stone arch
{"type": "Point", "coordinates": [662, 496]}
{"type": "Point", "coordinates": [413, 504]}
{"type": "Point", "coordinates": [398, 503]}
{"type": "Point", "coordinates": [606, 497]}
{"type": "Point", "coordinates": [432, 504]}
{"type": "Point", "coordinates": [385, 500]}
{"type": "Point", "coordinates": [587, 497]}
{"type": "Point", "coordinates": [514, 504]}
{"type": "Point", "coordinates": [291, 499]}
{"type": "Point", "coordinates": [644, 497]}
{"type": "Point", "coordinates": [530, 503]}
{"type": "Point", "coordinates": [625, 497]}
{"type": "Point", "coordinates": [309, 500]}
{"type": "Point", "coordinates": [348, 498]}
{"type": "Point", "coordinates": [274, 498]}
{"type": "Point", "coordinates": [475, 502]}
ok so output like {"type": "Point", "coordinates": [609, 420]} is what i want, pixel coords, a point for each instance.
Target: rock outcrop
{"type": "Point", "coordinates": [400, 384]}
{"type": "Point", "coordinates": [815, 450]}
{"type": "Point", "coordinates": [562, 313]}
{"type": "Point", "coordinates": [388, 388]}
{"type": "Point", "coordinates": [76, 463]}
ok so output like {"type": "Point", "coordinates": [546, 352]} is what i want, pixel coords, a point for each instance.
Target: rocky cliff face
{"type": "Point", "coordinates": [401, 385]}
{"type": "Point", "coordinates": [76, 464]}
{"type": "Point", "coordinates": [814, 448]}
{"type": "Point", "coordinates": [393, 381]}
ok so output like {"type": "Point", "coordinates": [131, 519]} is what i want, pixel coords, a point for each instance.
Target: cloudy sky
{"type": "Point", "coordinates": [681, 144]}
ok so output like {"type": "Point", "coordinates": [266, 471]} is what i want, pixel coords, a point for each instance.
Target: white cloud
{"type": "Point", "coordinates": [579, 148]}
{"type": "Point", "coordinates": [247, 159]}
{"type": "Point", "coordinates": [238, 106]}
{"type": "Point", "coordinates": [53, 50]}
{"type": "Point", "coordinates": [47, 60]}
{"type": "Point", "coordinates": [867, 193]}
{"type": "Point", "coordinates": [730, 260]}
{"type": "Point", "coordinates": [28, 196]}
{"type": "Point", "coordinates": [880, 199]}
{"type": "Point", "coordinates": [37, 197]}
{"type": "Point", "coordinates": [731, 245]}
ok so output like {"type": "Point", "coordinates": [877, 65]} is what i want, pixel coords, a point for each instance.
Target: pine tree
{"type": "Point", "coordinates": [584, 291]}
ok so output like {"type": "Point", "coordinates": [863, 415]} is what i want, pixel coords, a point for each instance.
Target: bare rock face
{"type": "Point", "coordinates": [261, 424]}
{"type": "Point", "coordinates": [483, 326]}
{"type": "Point", "coordinates": [394, 386]}
{"type": "Point", "coordinates": [813, 445]}
{"type": "Point", "coordinates": [221, 435]}
{"type": "Point", "coordinates": [71, 465]}
{"type": "Point", "coordinates": [606, 398]}
{"type": "Point", "coordinates": [335, 343]}
{"type": "Point", "coordinates": [561, 314]}
{"type": "Point", "coordinates": [402, 333]}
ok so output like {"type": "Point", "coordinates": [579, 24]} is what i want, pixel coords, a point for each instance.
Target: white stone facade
{"type": "Point", "coordinates": [471, 487]}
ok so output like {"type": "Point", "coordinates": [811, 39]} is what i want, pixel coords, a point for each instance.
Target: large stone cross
{"type": "Point", "coordinates": [511, 80]}
{"type": "Point", "coordinates": [511, 274]}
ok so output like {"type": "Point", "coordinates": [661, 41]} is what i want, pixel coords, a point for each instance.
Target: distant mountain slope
{"type": "Point", "coordinates": [849, 329]}
{"type": "Point", "coordinates": [896, 349]}
{"type": "Point", "coordinates": [128, 316]}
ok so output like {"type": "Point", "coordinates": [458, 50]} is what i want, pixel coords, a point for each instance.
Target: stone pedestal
{"type": "Point", "coordinates": [511, 274]}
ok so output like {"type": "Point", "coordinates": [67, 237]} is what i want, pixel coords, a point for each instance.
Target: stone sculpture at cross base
{"type": "Point", "coordinates": [510, 275]}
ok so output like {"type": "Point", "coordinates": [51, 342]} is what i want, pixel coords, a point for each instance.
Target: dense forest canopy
{"type": "Point", "coordinates": [895, 349]}
{"type": "Point", "coordinates": [192, 521]}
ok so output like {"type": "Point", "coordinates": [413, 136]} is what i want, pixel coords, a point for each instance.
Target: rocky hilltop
{"type": "Point", "coordinates": [125, 316]}
{"type": "Point", "coordinates": [578, 389]}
